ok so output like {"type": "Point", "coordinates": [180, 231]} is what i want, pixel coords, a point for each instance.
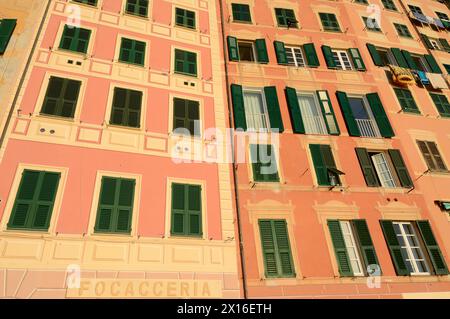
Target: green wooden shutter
{"type": "Point", "coordinates": [400, 168]}
{"type": "Point", "coordinates": [284, 249]}
{"type": "Point", "coordinates": [397, 53]}
{"type": "Point", "coordinates": [441, 103]}
{"type": "Point", "coordinates": [238, 107]}
{"type": "Point", "coordinates": [125, 205]}
{"type": "Point", "coordinates": [61, 97]}
{"type": "Point", "coordinates": [328, 54]}
{"type": "Point", "coordinates": [440, 267]}
{"type": "Point", "coordinates": [45, 200]}
{"type": "Point", "coordinates": [7, 27]}
{"type": "Point", "coordinates": [233, 50]}
{"type": "Point", "coordinates": [311, 55]}
{"type": "Point", "coordinates": [350, 121]}
{"type": "Point", "coordinates": [75, 39]}
{"type": "Point", "coordinates": [318, 154]}
{"type": "Point", "coordinates": [357, 59]}
{"type": "Point", "coordinates": [294, 111]}
{"type": "Point", "coordinates": [375, 55]}
{"type": "Point", "coordinates": [409, 60]}
{"type": "Point", "coordinates": [328, 112]}
{"type": "Point", "coordinates": [369, 172]}
{"type": "Point", "coordinates": [273, 107]}
{"type": "Point", "coordinates": [268, 248]}
{"type": "Point", "coordinates": [343, 261]}
{"type": "Point", "coordinates": [380, 115]}
{"type": "Point", "coordinates": [261, 51]}
{"type": "Point", "coordinates": [260, 162]}
{"type": "Point", "coordinates": [194, 206]}
{"type": "Point", "coordinates": [106, 205]}
{"type": "Point", "coordinates": [280, 52]}
{"type": "Point", "coordinates": [394, 247]}
{"type": "Point", "coordinates": [178, 209]}
{"type": "Point", "coordinates": [445, 44]}
{"type": "Point", "coordinates": [365, 242]}
{"type": "Point", "coordinates": [426, 41]}
{"type": "Point", "coordinates": [126, 108]}
{"type": "Point", "coordinates": [433, 64]}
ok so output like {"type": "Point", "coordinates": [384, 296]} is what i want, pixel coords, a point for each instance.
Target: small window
{"type": "Point", "coordinates": [415, 9]}
{"type": "Point", "coordinates": [402, 30]}
{"type": "Point", "coordinates": [264, 163]}
{"type": "Point", "coordinates": [295, 56]}
{"type": "Point", "coordinates": [342, 59]}
{"type": "Point", "coordinates": [312, 116]}
{"type": "Point", "coordinates": [386, 56]}
{"type": "Point", "coordinates": [286, 18]}
{"type": "Point", "coordinates": [363, 115]}
{"type": "Point", "coordinates": [75, 39]}
{"type": "Point", "coordinates": [88, 2]}
{"type": "Point", "coordinates": [241, 12]}
{"type": "Point", "coordinates": [441, 103]}
{"type": "Point", "coordinates": [61, 97]}
{"type": "Point", "coordinates": [246, 51]}
{"type": "Point", "coordinates": [329, 22]}
{"type": "Point", "coordinates": [383, 168]}
{"type": "Point", "coordinates": [256, 115]}
{"type": "Point", "coordinates": [185, 18]}
{"type": "Point", "coordinates": [432, 156]}
{"type": "Point", "coordinates": [371, 24]}
{"type": "Point", "coordinates": [406, 100]}
{"type": "Point", "coordinates": [132, 51]}
{"type": "Point", "coordinates": [324, 165]}
{"type": "Point", "coordinates": [126, 108]}
{"type": "Point", "coordinates": [185, 62]}
{"type": "Point", "coordinates": [420, 62]}
{"type": "Point", "coordinates": [186, 117]}
{"type": "Point", "coordinates": [389, 4]}
{"type": "Point", "coordinates": [442, 16]}
{"type": "Point", "coordinates": [137, 7]}
{"type": "Point", "coordinates": [186, 219]}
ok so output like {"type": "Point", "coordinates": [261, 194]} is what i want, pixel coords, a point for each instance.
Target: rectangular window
{"type": "Point", "coordinates": [75, 39]}
{"type": "Point", "coordinates": [441, 103]}
{"type": "Point", "coordinates": [442, 16]}
{"type": "Point", "coordinates": [295, 56]}
{"type": "Point", "coordinates": [137, 7]}
{"type": "Point", "coordinates": [286, 18]}
{"type": "Point", "coordinates": [389, 4]}
{"type": "Point", "coordinates": [255, 111]}
{"type": "Point", "coordinates": [432, 156]}
{"type": "Point", "coordinates": [420, 62]}
{"type": "Point", "coordinates": [186, 117]}
{"type": "Point", "coordinates": [402, 30]}
{"type": "Point", "coordinates": [341, 59]}
{"type": "Point", "coordinates": [132, 51]}
{"type": "Point", "coordinates": [386, 56]}
{"type": "Point", "coordinates": [329, 22]}
{"type": "Point", "coordinates": [406, 100]}
{"type": "Point", "coordinates": [7, 27]}
{"type": "Point", "coordinates": [34, 201]}
{"type": "Point", "coordinates": [246, 51]}
{"type": "Point", "coordinates": [371, 24]}
{"type": "Point", "coordinates": [415, 9]}
{"type": "Point", "coordinates": [264, 163]}
{"type": "Point", "coordinates": [185, 18]}
{"type": "Point", "coordinates": [61, 97]}
{"type": "Point", "coordinates": [186, 210]}
{"type": "Point", "coordinates": [241, 12]}
{"type": "Point", "coordinates": [352, 248]}
{"type": "Point", "coordinates": [185, 62]}
{"type": "Point", "coordinates": [324, 165]}
{"type": "Point", "coordinates": [88, 2]}
{"type": "Point", "coordinates": [383, 169]}
{"type": "Point", "coordinates": [126, 107]}
{"type": "Point", "coordinates": [312, 116]}
{"type": "Point", "coordinates": [276, 248]}
{"type": "Point", "coordinates": [115, 206]}
{"type": "Point", "coordinates": [364, 117]}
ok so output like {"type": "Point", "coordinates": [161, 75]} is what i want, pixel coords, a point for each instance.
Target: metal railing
{"type": "Point", "coordinates": [367, 127]}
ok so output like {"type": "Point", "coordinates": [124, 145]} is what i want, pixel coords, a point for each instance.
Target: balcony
{"type": "Point", "coordinates": [368, 128]}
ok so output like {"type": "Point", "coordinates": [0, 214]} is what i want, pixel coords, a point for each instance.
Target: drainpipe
{"type": "Point", "coordinates": [235, 178]}
{"type": "Point", "coordinates": [22, 78]}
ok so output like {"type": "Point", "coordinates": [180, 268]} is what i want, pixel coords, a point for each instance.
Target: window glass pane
{"type": "Point", "coordinates": [254, 111]}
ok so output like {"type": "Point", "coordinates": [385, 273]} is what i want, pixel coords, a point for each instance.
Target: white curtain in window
{"type": "Point", "coordinates": [312, 117]}
{"type": "Point", "coordinates": [254, 111]}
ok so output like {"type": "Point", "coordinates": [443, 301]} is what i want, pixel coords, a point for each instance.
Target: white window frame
{"type": "Point", "coordinates": [265, 109]}
{"type": "Point", "coordinates": [391, 179]}
{"type": "Point", "coordinates": [351, 245]}
{"type": "Point", "coordinates": [292, 50]}
{"type": "Point", "coordinates": [252, 43]}
{"type": "Point", "coordinates": [323, 127]}
{"type": "Point", "coordinates": [340, 63]}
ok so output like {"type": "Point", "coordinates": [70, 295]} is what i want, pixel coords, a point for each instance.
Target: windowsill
{"type": "Point", "coordinates": [186, 74]}
{"type": "Point", "coordinates": [244, 22]}
{"type": "Point", "coordinates": [185, 28]}
{"type": "Point", "coordinates": [27, 231]}
{"type": "Point", "coordinates": [439, 173]}
{"type": "Point", "coordinates": [75, 53]}
{"type": "Point", "coordinates": [132, 15]}
{"type": "Point", "coordinates": [337, 188]}
{"type": "Point", "coordinates": [131, 64]}
{"type": "Point", "coordinates": [85, 4]}
{"type": "Point", "coordinates": [123, 127]}
{"type": "Point", "coordinates": [111, 234]}
{"type": "Point", "coordinates": [332, 31]}
{"type": "Point", "coordinates": [195, 138]}
{"type": "Point", "coordinates": [57, 117]}
{"type": "Point", "coordinates": [187, 237]}
{"type": "Point", "coordinates": [411, 112]}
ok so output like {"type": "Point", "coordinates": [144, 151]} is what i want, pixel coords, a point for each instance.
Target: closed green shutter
{"type": "Point", "coordinates": [261, 51]}
{"type": "Point", "coordinates": [280, 52]}
{"type": "Point", "coordinates": [445, 44]}
{"type": "Point", "coordinates": [328, 54]}
{"type": "Point", "coordinates": [328, 112]}
{"type": "Point", "coordinates": [426, 41]}
{"type": "Point", "coordinates": [61, 97]}
{"type": "Point", "coordinates": [365, 242]}
{"type": "Point", "coordinates": [132, 51]}
{"type": "Point", "coordinates": [34, 201]}
{"type": "Point", "coordinates": [380, 115]}
{"type": "Point", "coordinates": [273, 107]}
{"type": "Point", "coordinates": [75, 39]}
{"type": "Point", "coordinates": [394, 247]}
{"type": "Point", "coordinates": [237, 97]}
{"type": "Point", "coordinates": [7, 27]}
{"type": "Point", "coordinates": [342, 258]}
{"type": "Point", "coordinates": [294, 110]}
{"type": "Point", "coordinates": [397, 53]}
{"type": "Point", "coordinates": [409, 60]}
{"type": "Point", "coordinates": [375, 55]}
{"type": "Point", "coordinates": [241, 12]}
{"type": "Point", "coordinates": [350, 121]}
{"type": "Point", "coordinates": [185, 18]}
{"type": "Point", "coordinates": [126, 107]}
{"type": "Point", "coordinates": [440, 267]}
{"type": "Point", "coordinates": [263, 162]}
{"type": "Point", "coordinates": [185, 115]}
{"type": "Point", "coordinates": [137, 7]}
{"type": "Point", "coordinates": [400, 168]}
{"type": "Point", "coordinates": [369, 172]}
{"type": "Point", "coordinates": [186, 210]}
{"type": "Point", "coordinates": [323, 160]}
{"type": "Point", "coordinates": [357, 59]}
{"type": "Point", "coordinates": [311, 55]}
{"type": "Point", "coordinates": [233, 49]}
{"type": "Point", "coordinates": [406, 100]}
{"type": "Point", "coordinates": [185, 62]}
{"type": "Point", "coordinates": [441, 103]}
{"type": "Point", "coordinates": [432, 63]}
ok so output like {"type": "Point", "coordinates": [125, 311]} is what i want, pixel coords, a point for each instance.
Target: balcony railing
{"type": "Point", "coordinates": [367, 127]}
{"type": "Point", "coordinates": [314, 125]}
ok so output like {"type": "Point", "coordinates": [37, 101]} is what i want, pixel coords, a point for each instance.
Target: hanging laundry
{"type": "Point", "coordinates": [421, 77]}
{"type": "Point", "coordinates": [437, 81]}
{"type": "Point", "coordinates": [401, 75]}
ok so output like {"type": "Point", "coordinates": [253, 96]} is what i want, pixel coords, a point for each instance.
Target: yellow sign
{"type": "Point", "coordinates": [134, 288]}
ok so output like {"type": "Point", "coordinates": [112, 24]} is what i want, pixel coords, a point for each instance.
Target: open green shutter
{"type": "Point", "coordinates": [440, 267]}
{"type": "Point", "coordinates": [45, 200]}
{"type": "Point", "coordinates": [328, 112]}
{"type": "Point", "coordinates": [311, 55]}
{"type": "Point", "coordinates": [268, 248]}
{"type": "Point", "coordinates": [294, 111]}
{"type": "Point", "coordinates": [380, 115]}
{"type": "Point", "coordinates": [412, 65]}
{"type": "Point", "coordinates": [394, 247]}
{"type": "Point", "coordinates": [237, 97]}
{"type": "Point", "coordinates": [368, 170]}
{"type": "Point", "coordinates": [7, 27]}
{"type": "Point", "coordinates": [273, 107]}
{"type": "Point", "coordinates": [319, 165]}
{"type": "Point", "coordinates": [445, 44]}
{"type": "Point", "coordinates": [426, 41]}
{"type": "Point", "coordinates": [261, 51]}
{"type": "Point", "coordinates": [284, 249]}
{"type": "Point", "coordinates": [375, 55]}
{"type": "Point", "coordinates": [397, 53]}
{"type": "Point", "coordinates": [357, 59]}
{"type": "Point", "coordinates": [400, 168]}
{"type": "Point", "coordinates": [328, 54]}
{"type": "Point", "coordinates": [280, 52]}
{"type": "Point", "coordinates": [432, 63]}
{"type": "Point", "coordinates": [233, 50]}
{"type": "Point", "coordinates": [345, 268]}
{"type": "Point", "coordinates": [365, 242]}
{"type": "Point", "coordinates": [350, 121]}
